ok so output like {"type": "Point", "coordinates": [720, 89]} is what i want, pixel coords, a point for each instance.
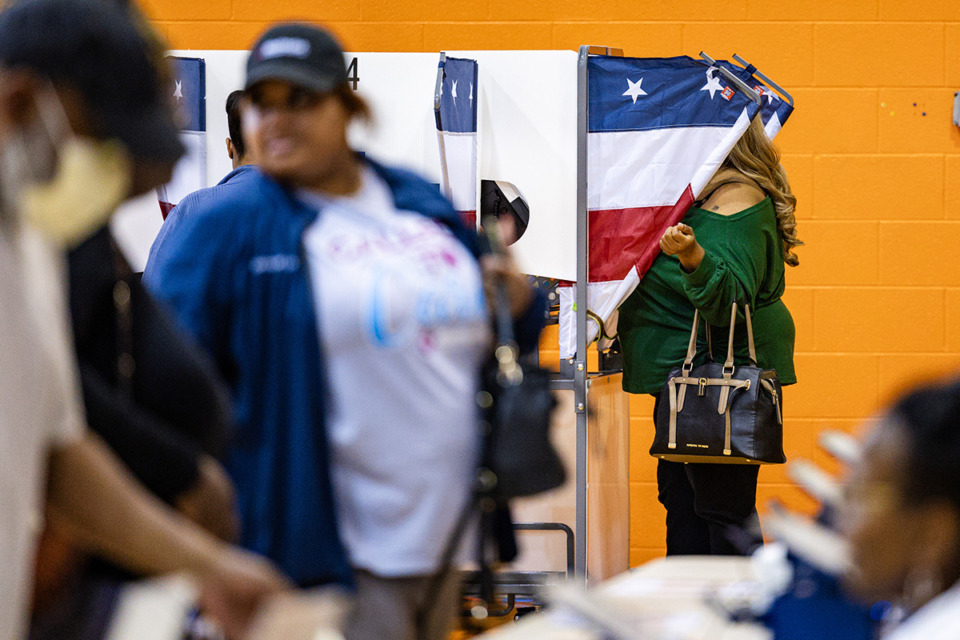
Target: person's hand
{"type": "Point", "coordinates": [301, 615]}
{"type": "Point", "coordinates": [235, 585]}
{"type": "Point", "coordinates": [679, 240]}
{"type": "Point", "coordinates": [501, 268]}
{"type": "Point", "coordinates": [210, 502]}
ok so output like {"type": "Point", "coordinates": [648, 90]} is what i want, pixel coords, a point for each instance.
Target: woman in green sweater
{"type": "Point", "coordinates": [731, 246]}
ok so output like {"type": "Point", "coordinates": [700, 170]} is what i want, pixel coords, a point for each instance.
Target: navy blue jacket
{"type": "Point", "coordinates": [196, 201]}
{"type": "Point", "coordinates": [236, 275]}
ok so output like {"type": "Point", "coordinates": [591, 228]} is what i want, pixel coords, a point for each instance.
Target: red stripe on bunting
{"type": "Point", "coordinates": [469, 219]}
{"type": "Point", "coordinates": [623, 238]}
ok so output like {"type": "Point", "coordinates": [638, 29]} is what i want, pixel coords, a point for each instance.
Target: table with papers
{"type": "Point", "coordinates": [673, 598]}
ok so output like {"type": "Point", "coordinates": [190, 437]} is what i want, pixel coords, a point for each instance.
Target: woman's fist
{"type": "Point", "coordinates": [679, 240]}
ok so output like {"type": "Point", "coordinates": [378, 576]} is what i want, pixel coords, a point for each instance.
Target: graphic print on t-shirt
{"type": "Point", "coordinates": [412, 280]}
{"type": "Point", "coordinates": [402, 320]}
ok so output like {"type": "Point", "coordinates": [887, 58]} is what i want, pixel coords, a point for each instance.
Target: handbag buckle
{"type": "Point", "coordinates": [702, 387]}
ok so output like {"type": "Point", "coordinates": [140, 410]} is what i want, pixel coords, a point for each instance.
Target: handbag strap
{"type": "Point", "coordinates": [728, 364]}
{"type": "Point", "coordinates": [750, 344]}
{"type": "Point", "coordinates": [122, 297]}
{"type": "Point", "coordinates": [709, 341]}
{"type": "Point", "coordinates": [692, 345]}
{"type": "Point", "coordinates": [728, 368]}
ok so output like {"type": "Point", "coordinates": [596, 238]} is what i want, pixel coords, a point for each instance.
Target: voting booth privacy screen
{"type": "Point", "coordinates": [189, 92]}
{"type": "Point", "coordinates": [658, 130]}
{"type": "Point", "coordinates": [525, 106]}
{"type": "Point", "coordinates": [511, 120]}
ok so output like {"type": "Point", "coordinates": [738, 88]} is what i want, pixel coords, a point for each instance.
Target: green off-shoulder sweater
{"type": "Point", "coordinates": [743, 263]}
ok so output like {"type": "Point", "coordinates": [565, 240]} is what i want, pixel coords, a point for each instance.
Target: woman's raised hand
{"type": "Point", "coordinates": [679, 240]}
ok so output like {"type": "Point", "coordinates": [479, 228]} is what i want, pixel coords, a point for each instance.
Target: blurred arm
{"type": "Point", "coordinates": [89, 492]}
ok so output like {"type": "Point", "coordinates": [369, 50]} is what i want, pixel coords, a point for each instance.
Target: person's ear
{"type": "Point", "coordinates": [231, 150]}
{"type": "Point", "coordinates": [17, 98]}
{"type": "Point", "coordinates": [939, 532]}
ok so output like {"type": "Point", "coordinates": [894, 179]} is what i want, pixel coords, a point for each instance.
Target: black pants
{"type": "Point", "coordinates": [711, 508]}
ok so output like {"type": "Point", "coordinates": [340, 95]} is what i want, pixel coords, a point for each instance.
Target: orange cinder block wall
{"type": "Point", "coordinates": [871, 153]}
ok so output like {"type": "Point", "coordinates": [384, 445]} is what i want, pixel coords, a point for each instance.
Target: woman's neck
{"type": "Point", "coordinates": [344, 180]}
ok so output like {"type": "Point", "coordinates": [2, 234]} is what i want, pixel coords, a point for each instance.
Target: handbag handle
{"type": "Point", "coordinates": [751, 347]}
{"type": "Point", "coordinates": [692, 345]}
{"type": "Point", "coordinates": [506, 351]}
{"type": "Point", "coordinates": [728, 364]}
{"type": "Point", "coordinates": [709, 341]}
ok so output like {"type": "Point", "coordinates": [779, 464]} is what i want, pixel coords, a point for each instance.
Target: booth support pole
{"type": "Point", "coordinates": [580, 362]}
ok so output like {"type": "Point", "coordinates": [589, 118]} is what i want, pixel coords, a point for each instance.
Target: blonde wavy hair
{"type": "Point", "coordinates": [755, 157]}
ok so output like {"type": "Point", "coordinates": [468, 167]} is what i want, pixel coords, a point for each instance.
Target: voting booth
{"type": "Point", "coordinates": [530, 111]}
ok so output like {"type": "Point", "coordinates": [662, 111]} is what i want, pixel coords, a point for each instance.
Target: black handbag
{"type": "Point", "coordinates": [517, 405]}
{"type": "Point", "coordinates": [517, 460]}
{"type": "Point", "coordinates": [720, 413]}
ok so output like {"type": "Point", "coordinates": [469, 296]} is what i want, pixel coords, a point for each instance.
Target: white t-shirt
{"type": "Point", "coordinates": [39, 403]}
{"type": "Point", "coordinates": [939, 619]}
{"type": "Point", "coordinates": [403, 326]}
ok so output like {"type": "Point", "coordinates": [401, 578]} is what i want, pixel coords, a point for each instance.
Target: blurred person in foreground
{"type": "Point", "coordinates": [901, 514]}
{"type": "Point", "coordinates": [345, 302]}
{"type": "Point", "coordinates": [243, 161]}
{"type": "Point", "coordinates": [152, 395]}
{"type": "Point", "coordinates": [64, 166]}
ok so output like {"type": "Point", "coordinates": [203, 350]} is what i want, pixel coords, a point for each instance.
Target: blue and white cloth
{"type": "Point", "coordinates": [457, 134]}
{"type": "Point", "coordinates": [659, 128]}
{"type": "Point", "coordinates": [189, 91]}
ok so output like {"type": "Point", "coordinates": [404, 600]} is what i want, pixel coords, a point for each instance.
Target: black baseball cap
{"type": "Point", "coordinates": [101, 49]}
{"type": "Point", "coordinates": [303, 54]}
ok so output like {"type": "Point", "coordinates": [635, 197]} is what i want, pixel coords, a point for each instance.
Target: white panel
{"type": "Point", "coordinates": [190, 173]}
{"type": "Point", "coordinates": [135, 224]}
{"type": "Point", "coordinates": [461, 152]}
{"type": "Point", "coordinates": [527, 135]}
{"type": "Point", "coordinates": [399, 89]}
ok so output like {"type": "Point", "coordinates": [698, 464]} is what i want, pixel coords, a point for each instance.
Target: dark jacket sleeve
{"type": "Point", "coordinates": [189, 277]}
{"type": "Point", "coordinates": [527, 327]}
{"type": "Point", "coordinates": [165, 463]}
{"type": "Point", "coordinates": [173, 407]}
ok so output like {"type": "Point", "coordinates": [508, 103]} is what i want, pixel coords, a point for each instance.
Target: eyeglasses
{"type": "Point", "coordinates": [294, 99]}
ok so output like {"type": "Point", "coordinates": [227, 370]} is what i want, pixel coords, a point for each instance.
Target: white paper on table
{"type": "Point", "coordinates": [153, 609]}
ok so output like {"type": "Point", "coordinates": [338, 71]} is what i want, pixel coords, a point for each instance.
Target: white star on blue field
{"type": "Point", "coordinates": [634, 90]}
{"type": "Point", "coordinates": [713, 82]}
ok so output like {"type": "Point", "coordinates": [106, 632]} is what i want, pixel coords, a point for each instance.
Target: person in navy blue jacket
{"type": "Point", "coordinates": [344, 302]}
{"type": "Point", "coordinates": [243, 162]}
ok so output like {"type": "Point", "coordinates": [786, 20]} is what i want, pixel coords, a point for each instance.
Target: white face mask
{"type": "Point", "coordinates": [64, 185]}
